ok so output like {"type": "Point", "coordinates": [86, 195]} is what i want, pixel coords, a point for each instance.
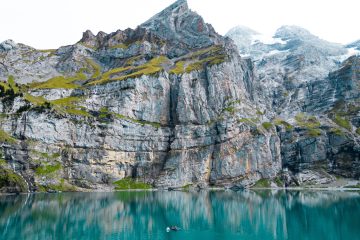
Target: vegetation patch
{"type": "Point", "coordinates": [249, 121]}
{"type": "Point", "coordinates": [279, 122]}
{"type": "Point", "coordinates": [262, 183]}
{"type": "Point", "coordinates": [267, 125]}
{"type": "Point", "coordinates": [4, 87]}
{"type": "Point", "coordinates": [10, 179]}
{"type": "Point", "coordinates": [230, 109]}
{"type": "Point", "coordinates": [96, 68]}
{"type": "Point", "coordinates": [179, 68]}
{"type": "Point", "coordinates": [2, 162]}
{"type": "Point", "coordinates": [67, 105]}
{"type": "Point", "coordinates": [129, 183]}
{"type": "Point", "coordinates": [310, 123]}
{"type": "Point", "coordinates": [6, 138]}
{"type": "Point", "coordinates": [258, 112]}
{"type": "Point", "coordinates": [60, 82]}
{"type": "Point", "coordinates": [142, 122]}
{"type": "Point", "coordinates": [120, 45]}
{"type": "Point", "coordinates": [353, 186]}
{"type": "Point", "coordinates": [279, 182]}
{"type": "Point", "coordinates": [198, 60]}
{"type": "Point", "coordinates": [70, 105]}
{"type": "Point", "coordinates": [48, 169]}
{"type": "Point", "coordinates": [342, 122]}
{"type": "Point", "coordinates": [104, 114]}
{"type": "Point", "coordinates": [151, 67]}
{"type": "Point", "coordinates": [337, 131]}
{"type": "Point", "coordinates": [46, 155]}
{"type": "Point", "coordinates": [10, 88]}
{"type": "Point", "coordinates": [186, 187]}
{"type": "Point", "coordinates": [314, 132]}
{"type": "Point", "coordinates": [307, 121]}
{"type": "Point", "coordinates": [37, 101]}
{"type": "Point", "coordinates": [13, 85]}
{"type": "Point", "coordinates": [358, 131]}
{"type": "Point", "coordinates": [209, 61]}
{"type": "Point", "coordinates": [47, 50]}
{"type": "Point", "coordinates": [61, 187]}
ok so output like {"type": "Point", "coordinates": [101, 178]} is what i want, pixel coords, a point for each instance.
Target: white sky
{"type": "Point", "coordinates": [53, 23]}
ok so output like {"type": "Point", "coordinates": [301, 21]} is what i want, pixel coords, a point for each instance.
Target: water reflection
{"type": "Point", "coordinates": [214, 215]}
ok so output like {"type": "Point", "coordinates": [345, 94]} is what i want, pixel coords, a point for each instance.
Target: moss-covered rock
{"type": "Point", "coordinates": [11, 182]}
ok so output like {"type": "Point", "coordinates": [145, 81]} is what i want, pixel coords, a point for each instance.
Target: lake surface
{"type": "Point", "coordinates": [202, 216]}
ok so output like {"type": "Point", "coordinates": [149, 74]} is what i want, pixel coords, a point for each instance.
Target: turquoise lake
{"type": "Point", "coordinates": [202, 215]}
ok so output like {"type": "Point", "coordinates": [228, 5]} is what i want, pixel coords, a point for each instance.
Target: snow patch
{"type": "Point", "coordinates": [351, 52]}
{"type": "Point", "coordinates": [274, 52]}
{"type": "Point", "coordinates": [260, 38]}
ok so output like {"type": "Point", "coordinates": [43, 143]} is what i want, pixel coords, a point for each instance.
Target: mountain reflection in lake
{"type": "Point", "coordinates": [208, 214]}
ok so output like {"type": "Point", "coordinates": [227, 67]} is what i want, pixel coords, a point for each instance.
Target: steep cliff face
{"type": "Point", "coordinates": [312, 87]}
{"type": "Point", "coordinates": [169, 104]}
{"type": "Point", "coordinates": [173, 104]}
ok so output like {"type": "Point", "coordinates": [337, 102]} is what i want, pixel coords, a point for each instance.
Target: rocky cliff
{"type": "Point", "coordinates": [173, 104]}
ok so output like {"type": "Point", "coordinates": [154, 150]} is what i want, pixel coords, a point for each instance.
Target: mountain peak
{"type": "Point", "coordinates": [355, 45]}
{"type": "Point", "coordinates": [87, 35]}
{"type": "Point", "coordinates": [8, 45]}
{"type": "Point", "coordinates": [178, 23]}
{"type": "Point", "coordinates": [242, 30]}
{"type": "Point", "coordinates": [177, 8]}
{"type": "Point", "coordinates": [289, 32]}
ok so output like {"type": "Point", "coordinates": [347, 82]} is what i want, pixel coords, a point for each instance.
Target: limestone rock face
{"type": "Point", "coordinates": [173, 104]}
{"type": "Point", "coordinates": [312, 87]}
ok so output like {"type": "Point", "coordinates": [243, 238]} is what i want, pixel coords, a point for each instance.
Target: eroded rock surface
{"type": "Point", "coordinates": [173, 104]}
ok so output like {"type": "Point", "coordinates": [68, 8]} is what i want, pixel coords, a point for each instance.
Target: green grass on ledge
{"type": "Point", "coordinates": [198, 60]}
{"type": "Point", "coordinates": [118, 74]}
{"type": "Point", "coordinates": [262, 183]}
{"type": "Point", "coordinates": [342, 122]}
{"type": "Point", "coordinates": [120, 45]}
{"type": "Point", "coordinates": [60, 82]}
{"type": "Point", "coordinates": [141, 122]}
{"type": "Point", "coordinates": [279, 122]}
{"type": "Point", "coordinates": [267, 125]}
{"type": "Point", "coordinates": [358, 131]}
{"type": "Point", "coordinates": [48, 169]}
{"type": "Point", "coordinates": [310, 123]}
{"type": "Point", "coordinates": [6, 138]}
{"type": "Point", "coordinates": [129, 183]}
{"type": "Point", "coordinates": [9, 178]}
